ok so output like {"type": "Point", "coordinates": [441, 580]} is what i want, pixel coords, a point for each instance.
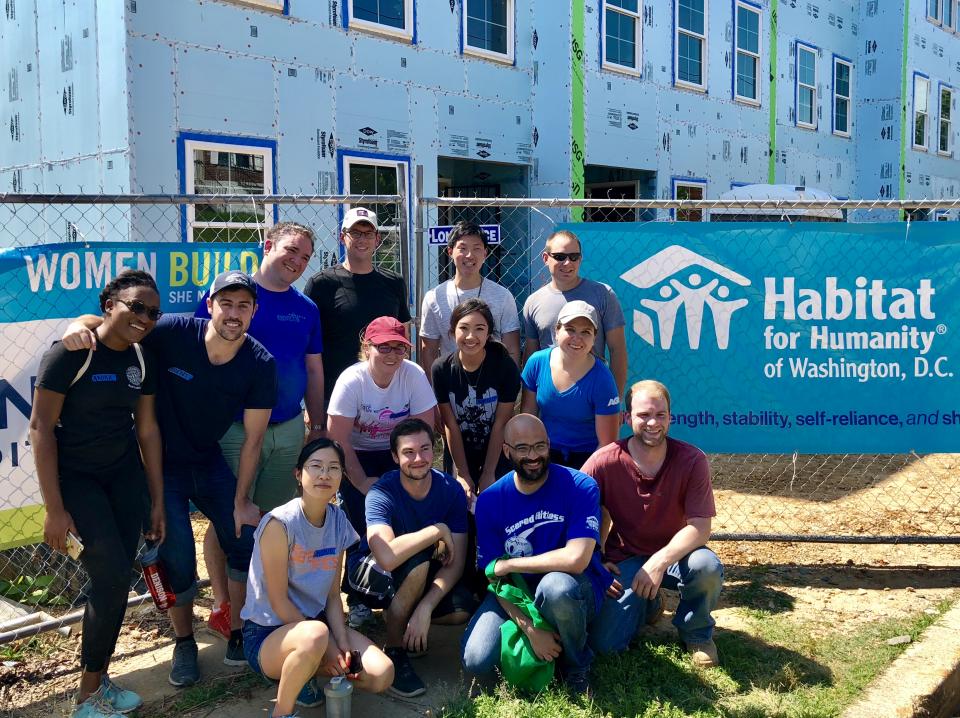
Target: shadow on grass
{"type": "Point", "coordinates": [756, 596]}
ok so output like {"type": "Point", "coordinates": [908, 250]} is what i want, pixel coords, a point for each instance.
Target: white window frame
{"type": "Point", "coordinates": [837, 60]}
{"type": "Point", "coordinates": [737, 51]}
{"type": "Point", "coordinates": [804, 47]}
{"type": "Point", "coordinates": [189, 146]}
{"type": "Point", "coordinates": [938, 9]}
{"type": "Point", "coordinates": [703, 55]}
{"type": "Point", "coordinates": [606, 64]}
{"type": "Point", "coordinates": [405, 33]}
{"type": "Point", "coordinates": [943, 87]}
{"type": "Point", "coordinates": [690, 183]}
{"type": "Point", "coordinates": [919, 79]}
{"type": "Point", "coordinates": [951, 7]}
{"type": "Point", "coordinates": [468, 49]}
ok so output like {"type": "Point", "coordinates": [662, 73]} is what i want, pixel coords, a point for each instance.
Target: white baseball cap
{"type": "Point", "coordinates": [579, 308]}
{"type": "Point", "coordinates": [359, 214]}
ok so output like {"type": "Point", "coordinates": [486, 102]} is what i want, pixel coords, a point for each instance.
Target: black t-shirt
{"type": "Point", "coordinates": [348, 302]}
{"type": "Point", "coordinates": [95, 431]}
{"type": "Point", "coordinates": [198, 401]}
{"type": "Point", "coordinates": [474, 396]}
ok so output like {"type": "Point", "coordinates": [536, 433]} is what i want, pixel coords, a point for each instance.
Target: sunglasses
{"type": "Point", "coordinates": [564, 256]}
{"type": "Point", "coordinates": [387, 349]}
{"type": "Point", "coordinates": [141, 309]}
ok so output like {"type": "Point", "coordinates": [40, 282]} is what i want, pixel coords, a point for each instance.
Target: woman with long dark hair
{"type": "Point", "coordinates": [97, 449]}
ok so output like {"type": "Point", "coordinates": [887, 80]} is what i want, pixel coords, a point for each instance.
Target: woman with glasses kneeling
{"type": "Point", "coordinates": [571, 390]}
{"type": "Point", "coordinates": [294, 628]}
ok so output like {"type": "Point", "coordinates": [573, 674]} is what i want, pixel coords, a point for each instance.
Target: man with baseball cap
{"type": "Point", "coordinates": [209, 371]}
{"type": "Point", "coordinates": [352, 294]}
{"type": "Point", "coordinates": [287, 323]}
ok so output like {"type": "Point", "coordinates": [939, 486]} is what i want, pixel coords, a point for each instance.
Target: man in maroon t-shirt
{"type": "Point", "coordinates": [657, 508]}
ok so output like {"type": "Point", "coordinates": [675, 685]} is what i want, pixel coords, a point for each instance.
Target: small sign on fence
{"type": "Point", "coordinates": [440, 234]}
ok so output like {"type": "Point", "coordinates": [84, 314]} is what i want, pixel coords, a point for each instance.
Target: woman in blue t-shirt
{"type": "Point", "coordinates": [97, 450]}
{"type": "Point", "coordinates": [294, 628]}
{"type": "Point", "coordinates": [572, 391]}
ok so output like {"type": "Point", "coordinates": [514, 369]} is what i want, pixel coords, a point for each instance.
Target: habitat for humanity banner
{"type": "Point", "coordinates": [41, 289]}
{"type": "Point", "coordinates": [776, 337]}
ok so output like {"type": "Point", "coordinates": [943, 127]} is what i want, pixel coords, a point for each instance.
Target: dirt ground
{"type": "Point", "coordinates": [837, 585]}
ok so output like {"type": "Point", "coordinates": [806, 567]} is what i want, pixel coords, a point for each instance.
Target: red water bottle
{"type": "Point", "coordinates": [156, 577]}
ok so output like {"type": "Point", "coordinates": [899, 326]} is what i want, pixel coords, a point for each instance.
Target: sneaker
{"type": "Point", "coordinates": [704, 654]}
{"type": "Point", "coordinates": [184, 671]}
{"type": "Point", "coordinates": [578, 683]}
{"type": "Point", "coordinates": [655, 614]}
{"type": "Point", "coordinates": [311, 695]}
{"type": "Point", "coordinates": [122, 700]}
{"type": "Point", "coordinates": [96, 706]}
{"type": "Point", "coordinates": [406, 682]}
{"type": "Point", "coordinates": [234, 655]}
{"type": "Point", "coordinates": [359, 614]}
{"type": "Point", "coordinates": [219, 620]}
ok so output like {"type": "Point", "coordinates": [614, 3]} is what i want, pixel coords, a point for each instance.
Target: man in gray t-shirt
{"type": "Point", "coordinates": [562, 255]}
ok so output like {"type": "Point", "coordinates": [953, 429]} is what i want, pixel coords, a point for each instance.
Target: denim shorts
{"type": "Point", "coordinates": [253, 637]}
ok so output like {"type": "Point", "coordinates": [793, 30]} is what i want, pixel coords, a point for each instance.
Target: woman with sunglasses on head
{"type": "Point", "coordinates": [571, 390]}
{"type": "Point", "coordinates": [97, 451]}
{"type": "Point", "coordinates": [294, 629]}
{"type": "Point", "coordinates": [368, 400]}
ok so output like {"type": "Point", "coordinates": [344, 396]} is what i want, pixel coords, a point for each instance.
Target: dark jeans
{"type": "Point", "coordinates": [211, 487]}
{"type": "Point", "coordinates": [108, 510]}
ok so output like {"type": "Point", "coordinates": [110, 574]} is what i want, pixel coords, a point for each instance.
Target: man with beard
{"type": "Point", "coordinates": [411, 560]}
{"type": "Point", "coordinates": [657, 508]}
{"type": "Point", "coordinates": [209, 371]}
{"type": "Point", "coordinates": [541, 520]}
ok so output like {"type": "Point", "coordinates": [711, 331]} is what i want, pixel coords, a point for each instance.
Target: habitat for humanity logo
{"type": "Point", "coordinates": [677, 277]}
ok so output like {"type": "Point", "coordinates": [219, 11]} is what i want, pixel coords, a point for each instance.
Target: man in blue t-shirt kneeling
{"type": "Point", "coordinates": [542, 521]}
{"type": "Point", "coordinates": [411, 561]}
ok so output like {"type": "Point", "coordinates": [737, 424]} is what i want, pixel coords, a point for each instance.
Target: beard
{"type": "Point", "coordinates": [416, 474]}
{"type": "Point", "coordinates": [531, 471]}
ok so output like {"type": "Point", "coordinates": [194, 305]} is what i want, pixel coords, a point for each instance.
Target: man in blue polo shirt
{"type": "Point", "coordinates": [542, 521]}
{"type": "Point", "coordinates": [287, 323]}
{"type": "Point", "coordinates": [209, 370]}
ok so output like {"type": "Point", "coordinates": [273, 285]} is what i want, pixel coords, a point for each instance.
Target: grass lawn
{"type": "Point", "coordinates": [777, 666]}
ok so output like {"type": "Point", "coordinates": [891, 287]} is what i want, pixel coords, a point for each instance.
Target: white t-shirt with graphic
{"type": "Point", "coordinates": [439, 303]}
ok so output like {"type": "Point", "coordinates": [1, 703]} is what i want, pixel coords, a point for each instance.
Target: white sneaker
{"type": "Point", "coordinates": [359, 614]}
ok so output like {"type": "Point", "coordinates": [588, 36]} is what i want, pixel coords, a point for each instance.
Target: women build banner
{"type": "Point", "coordinates": [772, 337]}
{"type": "Point", "coordinates": [41, 289]}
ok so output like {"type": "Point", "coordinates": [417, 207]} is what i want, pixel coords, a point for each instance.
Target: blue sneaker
{"type": "Point", "coordinates": [122, 700]}
{"type": "Point", "coordinates": [96, 706]}
{"type": "Point", "coordinates": [311, 695]}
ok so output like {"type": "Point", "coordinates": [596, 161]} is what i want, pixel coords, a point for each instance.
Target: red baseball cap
{"type": "Point", "coordinates": [385, 329]}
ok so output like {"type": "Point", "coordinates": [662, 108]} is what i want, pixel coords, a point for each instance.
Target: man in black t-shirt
{"type": "Point", "coordinates": [208, 372]}
{"type": "Point", "coordinates": [353, 294]}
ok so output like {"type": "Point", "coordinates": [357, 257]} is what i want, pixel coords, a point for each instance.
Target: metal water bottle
{"type": "Point", "coordinates": [156, 579]}
{"type": "Point", "coordinates": [338, 693]}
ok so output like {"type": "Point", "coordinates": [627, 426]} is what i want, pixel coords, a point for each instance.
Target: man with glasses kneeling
{"type": "Point", "coordinates": [541, 521]}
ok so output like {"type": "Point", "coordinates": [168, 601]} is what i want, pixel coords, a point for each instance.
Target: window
{"type": "Point", "coordinates": [378, 175]}
{"type": "Point", "coordinates": [806, 100]}
{"type": "Point", "coordinates": [945, 135]}
{"type": "Point", "coordinates": [747, 70]}
{"type": "Point", "coordinates": [921, 110]}
{"type": "Point", "coordinates": [622, 37]}
{"type": "Point", "coordinates": [842, 93]}
{"type": "Point", "coordinates": [933, 10]}
{"type": "Point", "coordinates": [689, 189]}
{"type": "Point", "coordinates": [690, 41]}
{"type": "Point", "coordinates": [390, 17]}
{"type": "Point", "coordinates": [488, 28]}
{"type": "Point", "coordinates": [948, 14]}
{"type": "Point", "coordinates": [215, 165]}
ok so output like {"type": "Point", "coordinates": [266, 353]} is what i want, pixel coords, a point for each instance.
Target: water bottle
{"type": "Point", "coordinates": [338, 692]}
{"type": "Point", "coordinates": [155, 576]}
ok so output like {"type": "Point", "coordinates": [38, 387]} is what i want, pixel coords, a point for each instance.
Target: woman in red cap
{"type": "Point", "coordinates": [368, 400]}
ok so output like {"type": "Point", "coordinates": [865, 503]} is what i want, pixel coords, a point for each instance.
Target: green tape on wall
{"type": "Point", "coordinates": [772, 160]}
{"type": "Point", "coordinates": [577, 130]}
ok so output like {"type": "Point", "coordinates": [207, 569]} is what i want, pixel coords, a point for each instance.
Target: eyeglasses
{"type": "Point", "coordinates": [138, 307]}
{"type": "Point", "coordinates": [358, 234]}
{"type": "Point", "coordinates": [388, 349]}
{"type": "Point", "coordinates": [541, 447]}
{"type": "Point", "coordinates": [564, 256]}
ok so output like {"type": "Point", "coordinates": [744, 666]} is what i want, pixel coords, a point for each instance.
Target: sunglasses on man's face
{"type": "Point", "coordinates": [564, 256]}
{"type": "Point", "coordinates": [141, 309]}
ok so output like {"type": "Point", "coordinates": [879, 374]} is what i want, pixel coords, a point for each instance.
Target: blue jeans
{"type": "Point", "coordinates": [698, 576]}
{"type": "Point", "coordinates": [566, 602]}
{"type": "Point", "coordinates": [211, 487]}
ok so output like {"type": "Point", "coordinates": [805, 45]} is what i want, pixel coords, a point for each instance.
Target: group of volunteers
{"type": "Point", "coordinates": [296, 423]}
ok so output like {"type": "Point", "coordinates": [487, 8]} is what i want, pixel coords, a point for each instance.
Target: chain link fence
{"type": "Point", "coordinates": [866, 498]}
